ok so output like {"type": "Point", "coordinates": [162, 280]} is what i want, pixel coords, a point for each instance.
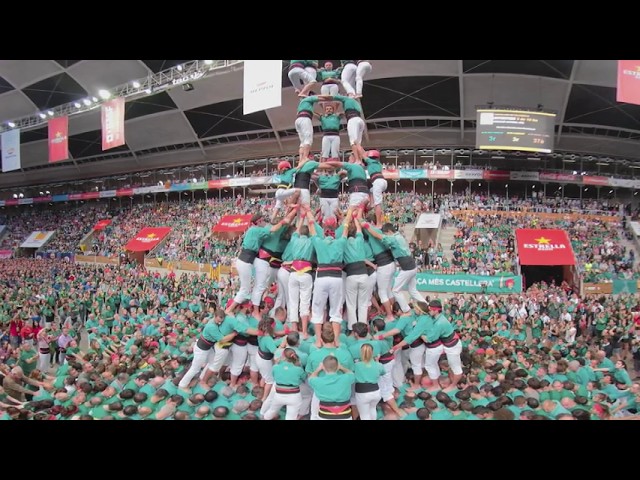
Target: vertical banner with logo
{"type": "Point", "coordinates": [11, 150]}
{"type": "Point", "coordinates": [262, 85]}
{"type": "Point", "coordinates": [628, 81]}
{"type": "Point", "coordinates": [58, 139]}
{"type": "Point", "coordinates": [113, 123]}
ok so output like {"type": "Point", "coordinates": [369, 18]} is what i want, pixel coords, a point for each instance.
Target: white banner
{"type": "Point", "coordinates": [623, 182]}
{"type": "Point", "coordinates": [468, 174]}
{"type": "Point", "coordinates": [107, 194]}
{"type": "Point", "coordinates": [11, 150]}
{"type": "Point", "coordinates": [262, 85]}
{"type": "Point", "coordinates": [25, 201]}
{"type": "Point", "coordinates": [533, 176]}
{"type": "Point", "coordinates": [239, 182]}
{"type": "Point", "coordinates": [428, 220]}
{"type": "Point", "coordinates": [37, 239]}
{"type": "Point", "coordinates": [635, 226]}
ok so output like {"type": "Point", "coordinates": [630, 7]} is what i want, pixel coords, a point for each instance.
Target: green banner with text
{"type": "Point", "coordinates": [460, 283]}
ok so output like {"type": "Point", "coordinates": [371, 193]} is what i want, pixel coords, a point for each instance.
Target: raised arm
{"type": "Point", "coordinates": [312, 223]}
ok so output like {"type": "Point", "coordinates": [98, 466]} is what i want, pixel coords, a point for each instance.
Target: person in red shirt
{"type": "Point", "coordinates": [15, 327]}
{"type": "Point", "coordinates": [27, 333]}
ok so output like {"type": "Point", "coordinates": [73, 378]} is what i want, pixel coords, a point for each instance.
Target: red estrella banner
{"type": "Point", "coordinates": [147, 239]}
{"type": "Point", "coordinates": [233, 223]}
{"type": "Point", "coordinates": [496, 175]}
{"type": "Point", "coordinates": [102, 224]}
{"type": "Point", "coordinates": [628, 81]}
{"type": "Point", "coordinates": [595, 180]}
{"type": "Point", "coordinates": [218, 183]}
{"type": "Point", "coordinates": [124, 192]}
{"type": "Point", "coordinates": [560, 177]}
{"type": "Point", "coordinates": [113, 123]}
{"type": "Point", "coordinates": [76, 196]}
{"type": "Point", "coordinates": [10, 202]}
{"type": "Point", "coordinates": [544, 247]}
{"type": "Point", "coordinates": [58, 139]}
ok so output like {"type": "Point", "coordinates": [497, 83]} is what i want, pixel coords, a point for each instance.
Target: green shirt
{"type": "Point", "coordinates": [286, 177]}
{"type": "Point", "coordinates": [397, 244]}
{"type": "Point", "coordinates": [330, 123]}
{"type": "Point", "coordinates": [354, 171]}
{"type": "Point", "coordinates": [306, 104]}
{"type": "Point", "coordinates": [373, 166]}
{"type": "Point", "coordinates": [254, 237]}
{"type": "Point", "coordinates": [354, 250]}
{"type": "Point", "coordinates": [329, 182]}
{"type": "Point", "coordinates": [349, 103]}
{"type": "Point", "coordinates": [333, 387]}
{"type": "Point", "coordinates": [286, 373]}
{"type": "Point", "coordinates": [301, 247]}
{"type": "Point", "coordinates": [329, 250]}
{"type": "Point", "coordinates": [369, 372]}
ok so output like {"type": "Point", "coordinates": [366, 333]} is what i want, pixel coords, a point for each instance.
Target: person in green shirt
{"type": "Point", "coordinates": [251, 242]}
{"type": "Point", "coordinates": [367, 375]}
{"type": "Point", "coordinates": [328, 284]}
{"type": "Point", "coordinates": [304, 124]}
{"type": "Point", "coordinates": [329, 185]}
{"type": "Point", "coordinates": [333, 389]}
{"type": "Point", "coordinates": [355, 124]}
{"type": "Point", "coordinates": [378, 183]}
{"type": "Point", "coordinates": [285, 192]}
{"type": "Point", "coordinates": [330, 127]}
{"type": "Point", "coordinates": [288, 376]}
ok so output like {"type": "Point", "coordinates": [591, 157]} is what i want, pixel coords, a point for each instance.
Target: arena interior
{"type": "Point", "coordinates": [378, 247]}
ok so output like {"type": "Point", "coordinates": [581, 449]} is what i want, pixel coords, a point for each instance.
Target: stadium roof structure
{"type": "Point", "coordinates": [406, 103]}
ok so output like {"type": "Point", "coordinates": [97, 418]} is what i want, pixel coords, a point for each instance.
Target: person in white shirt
{"type": "Point", "coordinates": [570, 334]}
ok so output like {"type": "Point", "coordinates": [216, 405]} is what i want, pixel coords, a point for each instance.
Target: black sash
{"type": "Point", "coordinates": [303, 180]}
{"type": "Point", "coordinates": [383, 258]}
{"type": "Point", "coordinates": [407, 263]}
{"type": "Point", "coordinates": [247, 256]}
{"type": "Point", "coordinates": [355, 268]}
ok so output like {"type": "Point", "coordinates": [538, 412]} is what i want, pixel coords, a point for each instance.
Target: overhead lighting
{"type": "Point", "coordinates": [94, 99]}
{"type": "Point", "coordinates": [11, 124]}
{"type": "Point", "coordinates": [575, 172]}
{"type": "Point", "coordinates": [47, 192]}
{"type": "Point", "coordinates": [77, 105]}
{"type": "Point", "coordinates": [506, 185]}
{"type": "Point", "coordinates": [86, 101]}
{"type": "Point", "coordinates": [22, 195]}
{"type": "Point", "coordinates": [104, 94]}
{"type": "Point", "coordinates": [586, 189]}
{"type": "Point", "coordinates": [41, 194]}
{"type": "Point", "coordinates": [569, 161]}
{"type": "Point", "coordinates": [610, 191]}
{"type": "Point", "coordinates": [15, 195]}
{"type": "Point", "coordinates": [498, 158]}
{"type": "Point", "coordinates": [195, 180]}
{"type": "Point", "coordinates": [136, 84]}
{"type": "Point", "coordinates": [179, 67]}
{"type": "Point", "coordinates": [42, 115]}
{"type": "Point", "coordinates": [208, 62]}
{"type": "Point", "coordinates": [534, 158]}
{"type": "Point", "coordinates": [50, 112]}
{"type": "Point", "coordinates": [604, 164]}
{"type": "Point", "coordinates": [148, 91]}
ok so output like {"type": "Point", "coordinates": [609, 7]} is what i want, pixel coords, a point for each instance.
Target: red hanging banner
{"type": "Point", "coordinates": [58, 139]}
{"type": "Point", "coordinates": [113, 123]}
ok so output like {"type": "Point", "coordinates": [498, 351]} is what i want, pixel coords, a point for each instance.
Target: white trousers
{"type": "Point", "coordinates": [406, 279]}
{"type": "Point", "coordinates": [299, 77]}
{"type": "Point", "coordinates": [217, 357]}
{"type": "Point", "coordinates": [252, 356]}
{"type": "Point", "coordinates": [371, 286]}
{"type": "Point", "coordinates": [262, 280]}
{"type": "Point", "coordinates": [416, 357]}
{"type": "Point", "coordinates": [399, 368]}
{"type": "Point", "coordinates": [348, 78]}
{"type": "Point", "coordinates": [330, 89]}
{"type": "Point", "coordinates": [355, 129]}
{"type": "Point", "coordinates": [431, 359]}
{"type": "Point", "coordinates": [385, 382]}
{"type": "Point", "coordinates": [200, 358]}
{"type": "Point", "coordinates": [362, 70]}
{"type": "Point", "coordinates": [265, 367]}
{"type": "Point", "coordinates": [367, 403]}
{"type": "Point", "coordinates": [305, 196]}
{"type": "Point", "coordinates": [377, 189]}
{"type": "Point", "coordinates": [300, 288]}
{"type": "Point", "coordinates": [304, 127]}
{"type": "Point", "coordinates": [281, 195]}
{"type": "Point", "coordinates": [327, 288]}
{"type": "Point", "coordinates": [358, 198]}
{"type": "Point", "coordinates": [453, 358]}
{"type": "Point", "coordinates": [238, 359]}
{"type": "Point", "coordinates": [283, 289]}
{"type": "Point", "coordinates": [330, 146]}
{"type": "Point", "coordinates": [357, 300]}
{"type": "Point", "coordinates": [328, 207]}
{"type": "Point", "coordinates": [384, 278]}
{"type": "Point", "coordinates": [245, 273]}
{"type": "Point", "coordinates": [292, 401]}
{"type": "Point", "coordinates": [44, 362]}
